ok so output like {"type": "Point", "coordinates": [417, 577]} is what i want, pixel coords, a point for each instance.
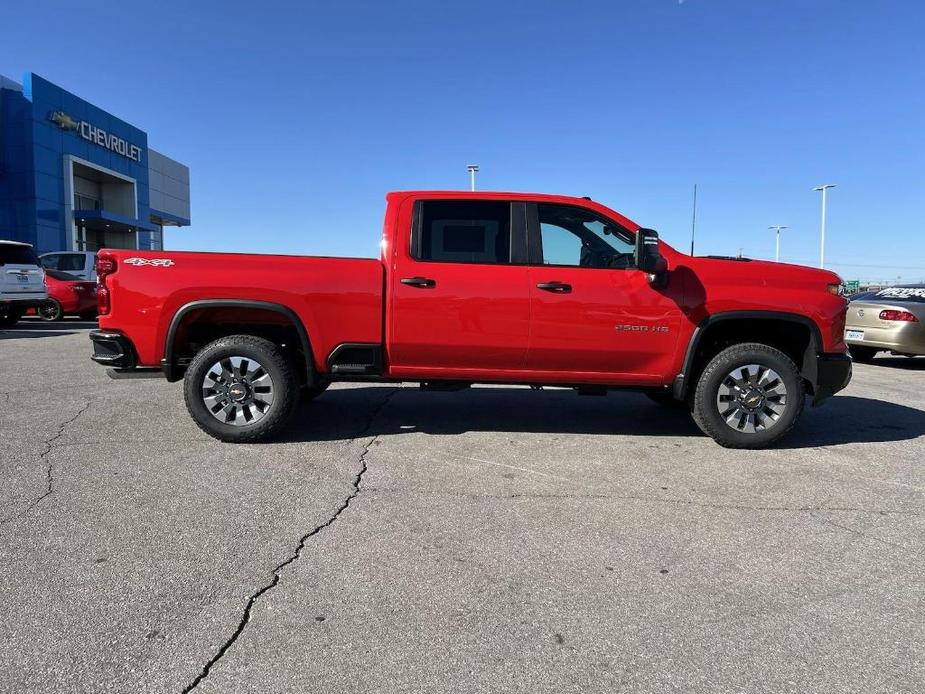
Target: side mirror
{"type": "Point", "coordinates": [648, 259]}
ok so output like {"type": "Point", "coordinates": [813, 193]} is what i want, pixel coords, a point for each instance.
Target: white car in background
{"type": "Point", "coordinates": [22, 281]}
{"type": "Point", "coordinates": [81, 264]}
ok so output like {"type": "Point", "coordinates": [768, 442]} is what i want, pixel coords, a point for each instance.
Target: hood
{"type": "Point", "coordinates": [784, 274]}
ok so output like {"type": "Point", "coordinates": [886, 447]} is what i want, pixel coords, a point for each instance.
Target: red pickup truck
{"type": "Point", "coordinates": [480, 288]}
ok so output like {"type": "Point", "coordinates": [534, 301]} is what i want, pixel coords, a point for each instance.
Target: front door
{"type": "Point", "coordinates": [459, 307]}
{"type": "Point", "coordinates": [593, 313]}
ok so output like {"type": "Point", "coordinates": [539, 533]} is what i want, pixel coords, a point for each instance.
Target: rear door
{"type": "Point", "coordinates": [20, 272]}
{"type": "Point", "coordinates": [593, 314]}
{"type": "Point", "coordinates": [459, 302]}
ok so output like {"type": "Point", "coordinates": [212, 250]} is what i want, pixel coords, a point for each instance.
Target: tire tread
{"type": "Point", "coordinates": [286, 398]}
{"type": "Point", "coordinates": [724, 361]}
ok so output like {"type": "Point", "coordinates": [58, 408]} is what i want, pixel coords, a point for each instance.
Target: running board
{"type": "Point", "coordinates": [356, 359]}
{"type": "Point", "coordinates": [119, 374]}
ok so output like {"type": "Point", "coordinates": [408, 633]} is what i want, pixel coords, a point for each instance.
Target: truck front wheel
{"type": "Point", "coordinates": [240, 389]}
{"type": "Point", "coordinates": [748, 396]}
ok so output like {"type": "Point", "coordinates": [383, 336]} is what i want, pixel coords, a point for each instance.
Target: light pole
{"type": "Point", "coordinates": [473, 169]}
{"type": "Point", "coordinates": [777, 228]}
{"type": "Point", "coordinates": [823, 188]}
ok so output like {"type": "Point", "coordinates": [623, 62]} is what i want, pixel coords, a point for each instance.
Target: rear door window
{"type": "Point", "coordinates": [11, 254]}
{"type": "Point", "coordinates": [464, 231]}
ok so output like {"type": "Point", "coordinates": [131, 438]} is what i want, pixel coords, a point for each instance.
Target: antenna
{"type": "Point", "coordinates": [694, 219]}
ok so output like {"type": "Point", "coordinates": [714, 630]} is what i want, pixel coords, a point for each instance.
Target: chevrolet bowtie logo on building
{"type": "Point", "coordinates": [96, 135]}
{"type": "Point", "coordinates": [64, 121]}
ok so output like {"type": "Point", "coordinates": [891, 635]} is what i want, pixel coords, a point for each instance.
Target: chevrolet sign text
{"type": "Point", "coordinates": [90, 132]}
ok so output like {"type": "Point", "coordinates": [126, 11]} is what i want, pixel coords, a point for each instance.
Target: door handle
{"type": "Point", "coordinates": [557, 287]}
{"type": "Point", "coordinates": [420, 282]}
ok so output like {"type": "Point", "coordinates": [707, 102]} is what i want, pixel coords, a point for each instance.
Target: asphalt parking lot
{"type": "Point", "coordinates": [494, 540]}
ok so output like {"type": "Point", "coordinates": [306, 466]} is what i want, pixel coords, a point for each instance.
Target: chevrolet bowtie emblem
{"type": "Point", "coordinates": [63, 121]}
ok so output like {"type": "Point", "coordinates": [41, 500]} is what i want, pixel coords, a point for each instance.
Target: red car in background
{"type": "Point", "coordinates": [68, 295]}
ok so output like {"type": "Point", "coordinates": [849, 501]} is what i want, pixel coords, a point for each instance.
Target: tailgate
{"type": "Point", "coordinates": [21, 279]}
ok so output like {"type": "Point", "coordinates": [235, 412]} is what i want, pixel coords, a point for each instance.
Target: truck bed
{"type": "Point", "coordinates": [337, 299]}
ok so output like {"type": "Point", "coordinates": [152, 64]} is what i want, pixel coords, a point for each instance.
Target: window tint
{"type": "Point", "coordinates": [71, 262]}
{"type": "Point", "coordinates": [577, 237]}
{"type": "Point", "coordinates": [464, 231]}
{"type": "Point", "coordinates": [50, 262]}
{"type": "Point", "coordinates": [17, 255]}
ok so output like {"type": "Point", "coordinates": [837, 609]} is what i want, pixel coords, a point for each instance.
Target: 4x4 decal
{"type": "Point", "coordinates": [156, 262]}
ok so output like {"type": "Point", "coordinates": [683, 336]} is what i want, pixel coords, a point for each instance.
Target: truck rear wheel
{"type": "Point", "coordinates": [240, 389]}
{"type": "Point", "coordinates": [748, 396]}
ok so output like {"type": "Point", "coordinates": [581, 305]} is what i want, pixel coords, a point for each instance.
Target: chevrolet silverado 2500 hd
{"type": "Point", "coordinates": [480, 288]}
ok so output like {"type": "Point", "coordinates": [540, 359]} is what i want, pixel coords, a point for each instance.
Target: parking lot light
{"type": "Point", "coordinates": [777, 228]}
{"type": "Point", "coordinates": [823, 188]}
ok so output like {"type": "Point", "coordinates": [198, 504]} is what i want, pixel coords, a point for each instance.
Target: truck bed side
{"type": "Point", "coordinates": [337, 300]}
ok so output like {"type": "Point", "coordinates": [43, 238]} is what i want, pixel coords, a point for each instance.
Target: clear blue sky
{"type": "Point", "coordinates": [296, 117]}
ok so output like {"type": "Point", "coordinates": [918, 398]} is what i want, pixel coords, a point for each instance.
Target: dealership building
{"type": "Point", "coordinates": [74, 177]}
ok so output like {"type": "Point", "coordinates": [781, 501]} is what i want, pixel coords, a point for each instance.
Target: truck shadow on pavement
{"type": "Point", "coordinates": [907, 363]}
{"type": "Point", "coordinates": [343, 413]}
{"type": "Point", "coordinates": [34, 328]}
{"type": "Point", "coordinates": [29, 333]}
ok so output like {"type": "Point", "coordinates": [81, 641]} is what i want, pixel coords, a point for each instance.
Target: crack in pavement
{"type": "Point", "coordinates": [276, 576]}
{"type": "Point", "coordinates": [49, 468]}
{"type": "Point", "coordinates": [853, 531]}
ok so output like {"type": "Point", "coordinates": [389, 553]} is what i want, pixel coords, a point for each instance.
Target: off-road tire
{"type": "Point", "coordinates": [863, 355]}
{"type": "Point", "coordinates": [706, 412]}
{"type": "Point", "coordinates": [274, 362]}
{"type": "Point", "coordinates": [50, 311]}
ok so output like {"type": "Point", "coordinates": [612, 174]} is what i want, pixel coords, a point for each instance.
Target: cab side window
{"type": "Point", "coordinates": [575, 237]}
{"type": "Point", "coordinates": [50, 262]}
{"type": "Point", "coordinates": [463, 231]}
{"type": "Point", "coordinates": [71, 262]}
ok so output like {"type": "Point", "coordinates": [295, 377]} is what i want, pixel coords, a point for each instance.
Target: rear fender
{"type": "Point", "coordinates": [169, 362]}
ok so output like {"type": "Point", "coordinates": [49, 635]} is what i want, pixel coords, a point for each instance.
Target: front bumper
{"type": "Point", "coordinates": [833, 373]}
{"type": "Point", "coordinates": [112, 349]}
{"type": "Point", "coordinates": [901, 337]}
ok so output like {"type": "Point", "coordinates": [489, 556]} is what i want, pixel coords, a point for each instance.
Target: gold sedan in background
{"type": "Point", "coordinates": [887, 320]}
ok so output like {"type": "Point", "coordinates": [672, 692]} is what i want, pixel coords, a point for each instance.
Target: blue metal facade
{"type": "Point", "coordinates": [39, 127]}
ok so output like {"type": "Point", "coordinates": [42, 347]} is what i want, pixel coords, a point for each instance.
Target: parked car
{"type": "Point", "coordinates": [887, 320]}
{"type": "Point", "coordinates": [480, 287]}
{"type": "Point", "coordinates": [22, 281]}
{"type": "Point", "coordinates": [68, 295]}
{"type": "Point", "coordinates": [81, 264]}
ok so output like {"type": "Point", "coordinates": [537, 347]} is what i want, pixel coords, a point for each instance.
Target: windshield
{"type": "Point", "coordinates": [14, 254]}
